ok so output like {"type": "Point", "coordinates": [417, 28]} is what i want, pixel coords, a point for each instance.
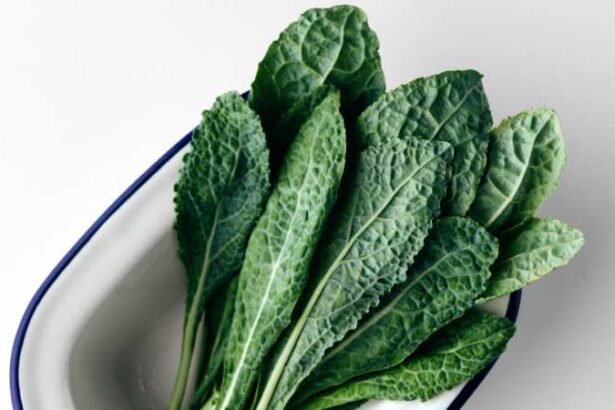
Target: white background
{"type": "Point", "coordinates": [92, 92]}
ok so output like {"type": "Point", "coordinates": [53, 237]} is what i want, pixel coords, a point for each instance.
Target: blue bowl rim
{"type": "Point", "coordinates": [470, 387]}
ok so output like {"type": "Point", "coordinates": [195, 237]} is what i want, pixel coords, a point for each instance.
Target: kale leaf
{"type": "Point", "coordinates": [450, 357]}
{"type": "Point", "coordinates": [221, 191]}
{"type": "Point", "coordinates": [450, 272]}
{"type": "Point", "coordinates": [526, 156]}
{"type": "Point", "coordinates": [325, 46]}
{"type": "Point", "coordinates": [377, 230]}
{"type": "Point", "coordinates": [451, 107]}
{"type": "Point", "coordinates": [280, 248]}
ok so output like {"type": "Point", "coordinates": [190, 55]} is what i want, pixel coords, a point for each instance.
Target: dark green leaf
{"type": "Point", "coordinates": [450, 272]}
{"type": "Point", "coordinates": [333, 46]}
{"type": "Point", "coordinates": [540, 247]}
{"type": "Point", "coordinates": [377, 230]}
{"type": "Point", "coordinates": [284, 130]}
{"type": "Point", "coordinates": [452, 356]}
{"type": "Point", "coordinates": [451, 107]}
{"type": "Point", "coordinates": [220, 194]}
{"type": "Point", "coordinates": [526, 156]}
{"type": "Point", "coordinates": [281, 246]}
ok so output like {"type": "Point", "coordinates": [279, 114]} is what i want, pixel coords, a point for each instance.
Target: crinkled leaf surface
{"type": "Point", "coordinates": [330, 45]}
{"type": "Point", "coordinates": [450, 272]}
{"type": "Point", "coordinates": [280, 247]}
{"type": "Point", "coordinates": [541, 246]}
{"type": "Point", "coordinates": [220, 193]}
{"type": "Point", "coordinates": [377, 230]}
{"type": "Point", "coordinates": [452, 107]}
{"type": "Point", "coordinates": [287, 127]}
{"type": "Point", "coordinates": [526, 156]}
{"type": "Point", "coordinates": [450, 357]}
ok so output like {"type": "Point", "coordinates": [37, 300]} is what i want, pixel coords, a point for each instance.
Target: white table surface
{"type": "Point", "coordinates": [92, 92]}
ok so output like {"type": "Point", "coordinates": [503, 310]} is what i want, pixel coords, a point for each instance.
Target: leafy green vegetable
{"type": "Point", "coordinates": [220, 194]}
{"type": "Point", "coordinates": [525, 159]}
{"type": "Point", "coordinates": [377, 230]}
{"type": "Point", "coordinates": [452, 356]}
{"type": "Point", "coordinates": [374, 307]}
{"type": "Point", "coordinates": [281, 246]}
{"type": "Point", "coordinates": [541, 246]}
{"type": "Point", "coordinates": [334, 46]}
{"type": "Point", "coordinates": [219, 329]}
{"type": "Point", "coordinates": [287, 127]}
{"type": "Point", "coordinates": [450, 272]}
{"type": "Point", "coordinates": [452, 107]}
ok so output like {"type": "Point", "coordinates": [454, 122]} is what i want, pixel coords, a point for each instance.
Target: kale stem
{"type": "Point", "coordinates": [181, 380]}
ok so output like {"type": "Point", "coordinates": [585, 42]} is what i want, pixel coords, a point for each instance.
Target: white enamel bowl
{"type": "Point", "coordinates": [102, 332]}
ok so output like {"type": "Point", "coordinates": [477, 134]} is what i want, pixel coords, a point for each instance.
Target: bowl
{"type": "Point", "coordinates": [103, 330]}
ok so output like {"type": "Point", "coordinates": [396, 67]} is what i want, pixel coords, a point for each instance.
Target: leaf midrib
{"type": "Point", "coordinates": [192, 316]}
{"type": "Point", "coordinates": [508, 199]}
{"type": "Point", "coordinates": [207, 259]}
{"type": "Point", "coordinates": [445, 121]}
{"type": "Point", "coordinates": [325, 75]}
{"type": "Point", "coordinates": [386, 309]}
{"type": "Point", "coordinates": [296, 332]}
{"type": "Point", "coordinates": [272, 276]}
{"type": "Point", "coordinates": [454, 111]}
{"type": "Point", "coordinates": [454, 350]}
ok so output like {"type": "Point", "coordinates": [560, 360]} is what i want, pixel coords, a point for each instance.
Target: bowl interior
{"type": "Point", "coordinates": [126, 353]}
